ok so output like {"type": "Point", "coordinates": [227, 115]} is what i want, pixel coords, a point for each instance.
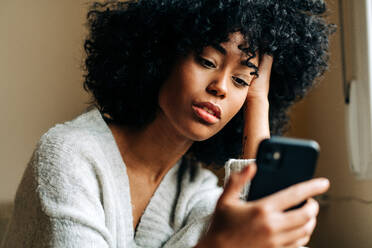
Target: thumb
{"type": "Point", "coordinates": [236, 183]}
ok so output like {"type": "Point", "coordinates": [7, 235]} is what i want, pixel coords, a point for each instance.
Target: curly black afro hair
{"type": "Point", "coordinates": [132, 46]}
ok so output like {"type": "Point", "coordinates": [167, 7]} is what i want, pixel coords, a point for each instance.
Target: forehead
{"type": "Point", "coordinates": [234, 46]}
{"type": "Point", "coordinates": [236, 39]}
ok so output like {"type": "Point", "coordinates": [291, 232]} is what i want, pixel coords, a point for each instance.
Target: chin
{"type": "Point", "coordinates": [201, 133]}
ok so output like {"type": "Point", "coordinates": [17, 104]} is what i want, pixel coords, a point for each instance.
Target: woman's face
{"type": "Point", "coordinates": [204, 92]}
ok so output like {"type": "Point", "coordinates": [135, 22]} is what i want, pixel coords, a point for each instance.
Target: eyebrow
{"type": "Point", "coordinates": [219, 48]}
{"type": "Point", "coordinates": [246, 62]}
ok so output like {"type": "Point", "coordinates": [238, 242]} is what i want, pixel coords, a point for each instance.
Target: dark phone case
{"type": "Point", "coordinates": [296, 164]}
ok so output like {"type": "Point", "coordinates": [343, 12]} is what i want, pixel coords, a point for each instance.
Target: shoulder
{"type": "Point", "coordinates": [63, 174]}
{"type": "Point", "coordinates": [62, 185]}
{"type": "Point", "coordinates": [67, 152]}
{"type": "Point", "coordinates": [64, 139]}
{"type": "Point", "coordinates": [74, 138]}
{"type": "Point", "coordinates": [62, 151]}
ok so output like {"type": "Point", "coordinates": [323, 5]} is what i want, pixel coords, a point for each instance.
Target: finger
{"type": "Point", "coordinates": [237, 181]}
{"type": "Point", "coordinates": [302, 242]}
{"type": "Point", "coordinates": [298, 244]}
{"type": "Point", "coordinates": [266, 62]}
{"type": "Point", "coordinates": [299, 217]}
{"type": "Point", "coordinates": [265, 67]}
{"type": "Point", "coordinates": [301, 236]}
{"type": "Point", "coordinates": [296, 194]}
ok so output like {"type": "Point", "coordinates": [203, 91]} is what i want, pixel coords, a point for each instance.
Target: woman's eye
{"type": "Point", "coordinates": [240, 81]}
{"type": "Point", "coordinates": [206, 63]}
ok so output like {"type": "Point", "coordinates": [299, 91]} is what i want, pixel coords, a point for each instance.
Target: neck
{"type": "Point", "coordinates": [151, 151]}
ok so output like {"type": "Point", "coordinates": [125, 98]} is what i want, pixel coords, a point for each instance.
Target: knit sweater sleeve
{"type": "Point", "coordinates": [58, 202]}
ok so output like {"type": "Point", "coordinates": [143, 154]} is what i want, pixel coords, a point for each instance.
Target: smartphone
{"type": "Point", "coordinates": [282, 162]}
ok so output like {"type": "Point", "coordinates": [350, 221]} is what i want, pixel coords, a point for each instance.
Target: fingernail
{"type": "Point", "coordinates": [324, 182]}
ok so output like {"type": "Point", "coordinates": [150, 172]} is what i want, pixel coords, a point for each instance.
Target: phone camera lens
{"type": "Point", "coordinates": [276, 155]}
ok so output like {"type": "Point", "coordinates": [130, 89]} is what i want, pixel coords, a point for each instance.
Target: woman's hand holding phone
{"type": "Point", "coordinates": [264, 223]}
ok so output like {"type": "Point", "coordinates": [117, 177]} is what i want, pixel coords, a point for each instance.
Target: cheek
{"type": "Point", "coordinates": [175, 97]}
{"type": "Point", "coordinates": [183, 83]}
{"type": "Point", "coordinates": [237, 102]}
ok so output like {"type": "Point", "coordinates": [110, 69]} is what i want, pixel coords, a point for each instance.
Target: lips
{"type": "Point", "coordinates": [207, 111]}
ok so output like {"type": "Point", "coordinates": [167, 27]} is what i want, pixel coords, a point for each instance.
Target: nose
{"type": "Point", "coordinates": [218, 86]}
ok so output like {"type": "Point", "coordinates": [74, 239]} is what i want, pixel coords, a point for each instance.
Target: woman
{"type": "Point", "coordinates": [169, 80]}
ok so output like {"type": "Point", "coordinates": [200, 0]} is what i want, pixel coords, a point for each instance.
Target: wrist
{"type": "Point", "coordinates": [256, 125]}
{"type": "Point", "coordinates": [258, 100]}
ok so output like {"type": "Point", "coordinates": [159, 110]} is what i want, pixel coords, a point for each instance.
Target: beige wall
{"type": "Point", "coordinates": [41, 84]}
{"type": "Point", "coordinates": [342, 224]}
{"type": "Point", "coordinates": [41, 77]}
